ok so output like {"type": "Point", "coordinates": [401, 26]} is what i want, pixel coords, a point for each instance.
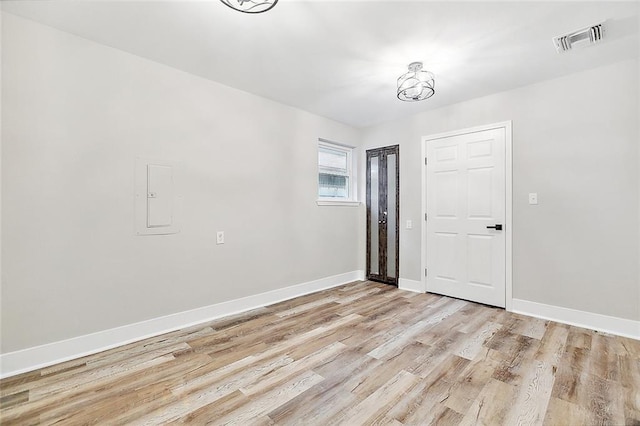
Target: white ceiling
{"type": "Point", "coordinates": [341, 59]}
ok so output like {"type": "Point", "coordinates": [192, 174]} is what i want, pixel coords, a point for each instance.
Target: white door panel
{"type": "Point", "coordinates": [465, 193]}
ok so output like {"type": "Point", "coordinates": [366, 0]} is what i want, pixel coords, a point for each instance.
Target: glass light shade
{"type": "Point", "coordinates": [416, 85]}
{"type": "Point", "coordinates": [250, 6]}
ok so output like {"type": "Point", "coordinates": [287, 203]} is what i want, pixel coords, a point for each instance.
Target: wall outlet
{"type": "Point", "coordinates": [533, 198]}
{"type": "Point", "coordinates": [220, 237]}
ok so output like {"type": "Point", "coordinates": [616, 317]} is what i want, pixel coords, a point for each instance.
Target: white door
{"type": "Point", "coordinates": [465, 203]}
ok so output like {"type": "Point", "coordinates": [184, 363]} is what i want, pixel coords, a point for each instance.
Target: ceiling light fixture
{"type": "Point", "coordinates": [250, 6]}
{"type": "Point", "coordinates": [416, 85]}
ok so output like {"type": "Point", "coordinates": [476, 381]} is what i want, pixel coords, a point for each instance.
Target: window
{"type": "Point", "coordinates": [336, 181]}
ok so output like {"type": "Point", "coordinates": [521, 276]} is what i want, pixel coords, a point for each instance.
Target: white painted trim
{"type": "Point", "coordinates": [411, 285]}
{"type": "Point", "coordinates": [509, 215]}
{"type": "Point", "coordinates": [29, 359]}
{"type": "Point", "coordinates": [503, 124]}
{"type": "Point", "coordinates": [423, 237]}
{"type": "Point", "coordinates": [338, 203]}
{"type": "Point", "coordinates": [613, 325]}
{"type": "Point", "coordinates": [508, 127]}
{"type": "Point", "coordinates": [330, 142]}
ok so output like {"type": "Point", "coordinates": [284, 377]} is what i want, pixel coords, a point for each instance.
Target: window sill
{"type": "Point", "coordinates": [338, 203]}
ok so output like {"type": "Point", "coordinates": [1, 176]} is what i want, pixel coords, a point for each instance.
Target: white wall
{"type": "Point", "coordinates": [575, 143]}
{"type": "Point", "coordinates": [1, 184]}
{"type": "Point", "coordinates": [75, 115]}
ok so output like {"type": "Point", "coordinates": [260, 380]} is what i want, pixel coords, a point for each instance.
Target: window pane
{"type": "Point", "coordinates": [391, 215]}
{"type": "Point", "coordinates": [332, 159]}
{"type": "Point", "coordinates": [374, 263]}
{"type": "Point", "coordinates": [333, 186]}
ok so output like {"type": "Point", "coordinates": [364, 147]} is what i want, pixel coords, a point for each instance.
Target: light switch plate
{"type": "Point", "coordinates": [409, 224]}
{"type": "Point", "coordinates": [220, 237]}
{"type": "Point", "coordinates": [533, 198]}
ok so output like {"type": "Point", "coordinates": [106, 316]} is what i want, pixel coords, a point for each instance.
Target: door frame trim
{"type": "Point", "coordinates": [507, 126]}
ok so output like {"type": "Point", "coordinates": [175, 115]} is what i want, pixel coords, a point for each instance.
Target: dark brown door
{"type": "Point", "coordinates": [383, 214]}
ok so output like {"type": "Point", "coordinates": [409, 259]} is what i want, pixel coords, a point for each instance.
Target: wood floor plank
{"type": "Point", "coordinates": [359, 354]}
{"type": "Point", "coordinates": [604, 401]}
{"type": "Point", "coordinates": [271, 400]}
{"type": "Point", "coordinates": [387, 368]}
{"type": "Point", "coordinates": [517, 361]}
{"type": "Point", "coordinates": [14, 399]}
{"type": "Point", "coordinates": [191, 398]}
{"type": "Point", "coordinates": [561, 413]}
{"type": "Point", "coordinates": [106, 372]}
{"type": "Point", "coordinates": [483, 315]}
{"type": "Point", "coordinates": [579, 338]}
{"type": "Point", "coordinates": [52, 398]}
{"type": "Point", "coordinates": [11, 385]}
{"type": "Point", "coordinates": [553, 344]}
{"type": "Point", "coordinates": [476, 339]}
{"type": "Point", "coordinates": [604, 360]}
{"type": "Point", "coordinates": [132, 396]}
{"type": "Point", "coordinates": [438, 351]}
{"type": "Point", "coordinates": [275, 377]}
{"type": "Point", "coordinates": [307, 307]}
{"type": "Point", "coordinates": [328, 398]}
{"type": "Point", "coordinates": [51, 383]}
{"type": "Point", "coordinates": [423, 403]}
{"type": "Point", "coordinates": [492, 405]}
{"type": "Point", "coordinates": [462, 395]}
{"type": "Point", "coordinates": [403, 337]}
{"type": "Point", "coordinates": [214, 410]}
{"type": "Point", "coordinates": [531, 327]}
{"type": "Point", "coordinates": [533, 395]}
{"type": "Point", "coordinates": [373, 308]}
{"type": "Point", "coordinates": [374, 406]}
{"type": "Point", "coordinates": [630, 377]}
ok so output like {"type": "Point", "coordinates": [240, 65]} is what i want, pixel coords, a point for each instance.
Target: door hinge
{"type": "Point", "coordinates": [425, 161]}
{"type": "Point", "coordinates": [425, 272]}
{"type": "Point", "coordinates": [425, 216]}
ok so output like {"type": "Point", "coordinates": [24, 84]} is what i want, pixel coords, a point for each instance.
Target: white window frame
{"type": "Point", "coordinates": [351, 172]}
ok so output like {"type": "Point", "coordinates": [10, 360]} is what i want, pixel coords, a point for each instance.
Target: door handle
{"type": "Point", "coordinates": [383, 221]}
{"type": "Point", "coordinates": [497, 227]}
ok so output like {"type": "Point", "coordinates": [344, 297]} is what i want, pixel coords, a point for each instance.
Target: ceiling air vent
{"type": "Point", "coordinates": [580, 38]}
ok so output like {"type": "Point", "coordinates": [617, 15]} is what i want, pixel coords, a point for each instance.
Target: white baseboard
{"type": "Point", "coordinates": [410, 285]}
{"type": "Point", "coordinates": [29, 359]}
{"type": "Point", "coordinates": [614, 325]}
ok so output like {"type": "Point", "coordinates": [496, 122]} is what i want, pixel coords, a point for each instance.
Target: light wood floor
{"type": "Point", "coordinates": [363, 353]}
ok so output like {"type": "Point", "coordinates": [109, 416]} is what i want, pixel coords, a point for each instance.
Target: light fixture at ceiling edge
{"type": "Point", "coordinates": [416, 85]}
{"type": "Point", "coordinates": [250, 6]}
